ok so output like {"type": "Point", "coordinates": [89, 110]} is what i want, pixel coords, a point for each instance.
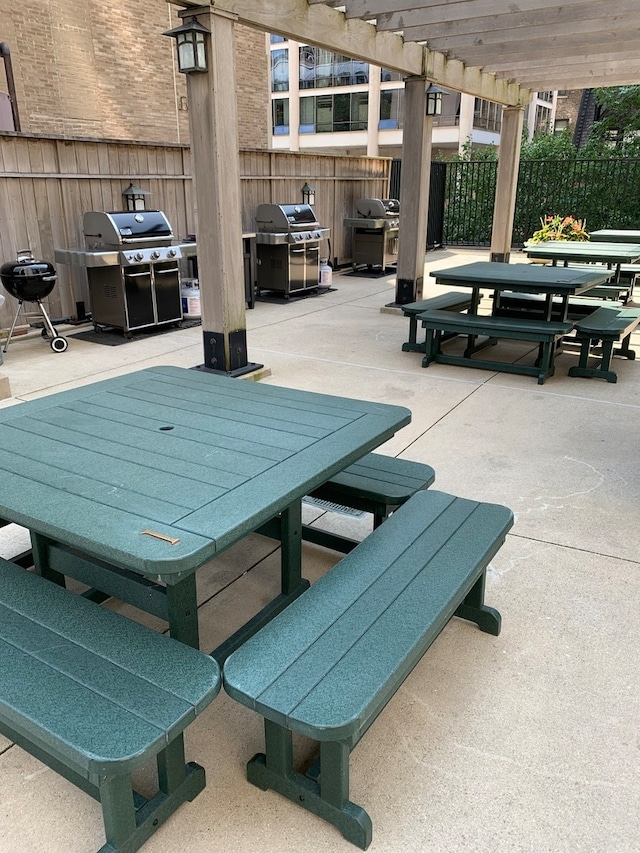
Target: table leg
{"type": "Point", "coordinates": [182, 611]}
{"type": "Point", "coordinates": [292, 584]}
{"type": "Point", "coordinates": [291, 544]}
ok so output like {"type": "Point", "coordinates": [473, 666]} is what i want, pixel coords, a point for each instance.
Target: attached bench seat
{"type": "Point", "coordinates": [327, 665]}
{"type": "Point", "coordinates": [377, 484]}
{"type": "Point", "coordinates": [608, 325]}
{"type": "Point", "coordinates": [94, 695]}
{"type": "Point", "coordinates": [519, 304]}
{"type": "Point", "coordinates": [621, 289]}
{"type": "Point", "coordinates": [450, 301]}
{"type": "Point", "coordinates": [546, 333]}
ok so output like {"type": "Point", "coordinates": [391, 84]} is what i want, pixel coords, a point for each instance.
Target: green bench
{"type": "Point", "coordinates": [377, 484]}
{"type": "Point", "coordinates": [622, 288]}
{"type": "Point", "coordinates": [608, 325]}
{"type": "Point", "coordinates": [523, 304]}
{"type": "Point", "coordinates": [629, 273]}
{"type": "Point", "coordinates": [546, 333]}
{"type": "Point", "coordinates": [450, 301]}
{"type": "Point", "coordinates": [94, 696]}
{"type": "Point", "coordinates": [327, 665]}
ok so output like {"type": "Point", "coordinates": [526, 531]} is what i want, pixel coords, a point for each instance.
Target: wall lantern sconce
{"type": "Point", "coordinates": [190, 41]}
{"type": "Point", "coordinates": [434, 100]}
{"type": "Point", "coordinates": [134, 197]}
{"type": "Point", "coordinates": [308, 194]}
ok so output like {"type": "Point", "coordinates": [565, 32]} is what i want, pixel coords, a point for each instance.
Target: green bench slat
{"type": "Point", "coordinates": [512, 328]}
{"type": "Point", "coordinates": [375, 482]}
{"type": "Point", "coordinates": [96, 695]}
{"type": "Point", "coordinates": [607, 325]}
{"type": "Point", "coordinates": [507, 327]}
{"type": "Point", "coordinates": [327, 665]}
{"type": "Point", "coordinates": [450, 301]}
{"type": "Point", "coordinates": [512, 304]}
{"type": "Point", "coordinates": [614, 290]}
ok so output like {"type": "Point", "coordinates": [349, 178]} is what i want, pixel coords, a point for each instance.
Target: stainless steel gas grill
{"type": "Point", "coordinates": [375, 231]}
{"type": "Point", "coordinates": [288, 248]}
{"type": "Point", "coordinates": [132, 269]}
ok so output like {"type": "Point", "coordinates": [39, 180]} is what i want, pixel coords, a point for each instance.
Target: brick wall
{"type": "Point", "coordinates": [103, 69]}
{"type": "Point", "coordinates": [252, 86]}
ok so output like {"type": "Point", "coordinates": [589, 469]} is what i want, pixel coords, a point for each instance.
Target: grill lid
{"type": "Point", "coordinates": [285, 217]}
{"type": "Point", "coordinates": [28, 279]}
{"type": "Point", "coordinates": [118, 228]}
{"type": "Point", "coordinates": [372, 208]}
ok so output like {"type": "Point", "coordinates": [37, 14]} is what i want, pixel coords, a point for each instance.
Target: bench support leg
{"type": "Point", "coordinates": [601, 370]}
{"type": "Point", "coordinates": [475, 610]}
{"type": "Point", "coordinates": [127, 826]}
{"type": "Point", "coordinates": [625, 350]}
{"type": "Point", "coordinates": [327, 798]}
{"type": "Point", "coordinates": [412, 344]}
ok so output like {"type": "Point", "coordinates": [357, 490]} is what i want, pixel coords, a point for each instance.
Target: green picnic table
{"type": "Point", "coordinates": [133, 483]}
{"type": "Point", "coordinates": [613, 235]}
{"type": "Point", "coordinates": [612, 254]}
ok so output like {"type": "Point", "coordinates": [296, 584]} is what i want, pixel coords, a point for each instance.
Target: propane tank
{"type": "Point", "coordinates": [325, 272]}
{"type": "Point", "coordinates": [190, 293]}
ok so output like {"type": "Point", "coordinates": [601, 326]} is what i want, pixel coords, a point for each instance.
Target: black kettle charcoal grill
{"type": "Point", "coordinates": [28, 280]}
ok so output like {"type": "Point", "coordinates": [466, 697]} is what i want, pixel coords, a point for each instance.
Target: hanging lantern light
{"type": "Point", "coordinates": [308, 194]}
{"type": "Point", "coordinates": [190, 41]}
{"type": "Point", "coordinates": [135, 197]}
{"type": "Point", "coordinates": [434, 100]}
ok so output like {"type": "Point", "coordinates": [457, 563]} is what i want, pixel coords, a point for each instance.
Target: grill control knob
{"type": "Point", "coordinates": [138, 256]}
{"type": "Point", "coordinates": [171, 253]}
{"type": "Point", "coordinates": [155, 255]}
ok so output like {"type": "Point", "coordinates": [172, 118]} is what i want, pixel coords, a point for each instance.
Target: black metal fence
{"type": "Point", "coordinates": [606, 193]}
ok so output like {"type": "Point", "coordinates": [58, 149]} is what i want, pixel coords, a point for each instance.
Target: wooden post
{"type": "Point", "coordinates": [213, 123]}
{"type": "Point", "coordinates": [414, 191]}
{"type": "Point", "coordinates": [506, 183]}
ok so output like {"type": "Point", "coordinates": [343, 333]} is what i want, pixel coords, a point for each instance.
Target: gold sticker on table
{"type": "Point", "coordinates": [170, 539]}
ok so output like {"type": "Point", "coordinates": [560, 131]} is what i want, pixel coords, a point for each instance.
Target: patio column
{"type": "Point", "coordinates": [506, 183]}
{"type": "Point", "coordinates": [414, 191]}
{"type": "Point", "coordinates": [213, 123]}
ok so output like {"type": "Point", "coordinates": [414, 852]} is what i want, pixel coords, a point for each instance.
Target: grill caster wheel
{"type": "Point", "coordinates": [59, 344]}
{"type": "Point", "coordinates": [45, 334]}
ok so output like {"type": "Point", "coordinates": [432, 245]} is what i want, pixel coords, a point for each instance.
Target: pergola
{"type": "Point", "coordinates": [502, 52]}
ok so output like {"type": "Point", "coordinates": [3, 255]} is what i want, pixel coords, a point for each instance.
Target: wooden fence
{"type": "Point", "coordinates": [48, 183]}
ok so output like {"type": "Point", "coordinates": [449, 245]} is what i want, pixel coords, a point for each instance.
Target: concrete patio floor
{"type": "Point", "coordinates": [523, 742]}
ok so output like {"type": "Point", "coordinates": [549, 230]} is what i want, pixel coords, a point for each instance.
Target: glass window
{"type": "Point", "coordinates": [307, 115]}
{"type": "Point", "coordinates": [334, 113]}
{"type": "Point", "coordinates": [359, 107]}
{"type": "Point", "coordinates": [280, 70]}
{"type": "Point", "coordinates": [320, 69]}
{"type": "Point", "coordinates": [387, 76]}
{"type": "Point", "coordinates": [341, 112]}
{"type": "Point", "coordinates": [391, 109]}
{"type": "Point", "coordinates": [543, 118]}
{"type": "Point", "coordinates": [280, 116]}
{"type": "Point", "coordinates": [275, 39]}
{"type": "Point", "coordinates": [324, 113]}
{"type": "Point", "coordinates": [487, 115]}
